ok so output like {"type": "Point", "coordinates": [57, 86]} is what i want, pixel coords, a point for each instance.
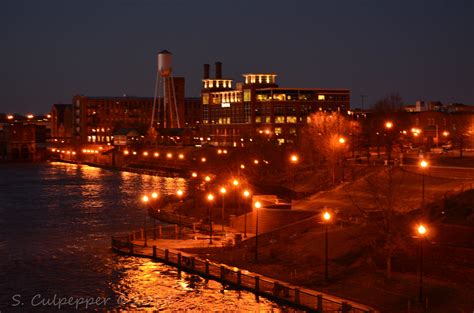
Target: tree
{"type": "Point", "coordinates": [328, 136]}
{"type": "Point", "coordinates": [386, 230]}
{"type": "Point", "coordinates": [462, 129]}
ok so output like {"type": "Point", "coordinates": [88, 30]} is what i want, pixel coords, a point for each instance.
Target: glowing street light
{"type": "Point", "coordinates": [257, 205]}
{"type": "Point", "coordinates": [223, 191]}
{"type": "Point", "coordinates": [145, 153]}
{"type": "Point", "coordinates": [423, 165]}
{"type": "Point", "coordinates": [255, 162]}
{"type": "Point", "coordinates": [156, 154]}
{"type": "Point", "coordinates": [242, 166]}
{"type": "Point", "coordinates": [294, 158]}
{"type": "Point", "coordinates": [203, 160]}
{"type": "Point", "coordinates": [327, 218]}
{"type": "Point", "coordinates": [342, 140]}
{"type": "Point", "coordinates": [235, 182]}
{"type": "Point", "coordinates": [179, 194]}
{"type": "Point", "coordinates": [421, 230]}
{"type": "Point", "coordinates": [145, 201]}
{"type": "Point", "coordinates": [154, 195]}
{"type": "Point", "coordinates": [388, 125]}
{"type": "Point", "coordinates": [181, 156]}
{"type": "Point", "coordinates": [246, 195]}
{"type": "Point", "coordinates": [169, 155]}
{"type": "Point", "coordinates": [210, 199]}
{"type": "Point", "coordinates": [207, 178]}
{"type": "Point", "coordinates": [194, 174]}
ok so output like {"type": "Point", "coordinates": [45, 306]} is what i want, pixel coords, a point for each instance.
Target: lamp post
{"type": "Point", "coordinates": [421, 232]}
{"type": "Point", "coordinates": [246, 195]}
{"type": "Point", "coordinates": [145, 200]}
{"type": "Point", "coordinates": [210, 199]}
{"type": "Point", "coordinates": [294, 159]}
{"type": "Point", "coordinates": [180, 194]}
{"type": "Point", "coordinates": [342, 141]}
{"type": "Point", "coordinates": [423, 165]}
{"type": "Point", "coordinates": [223, 191]}
{"type": "Point", "coordinates": [154, 196]}
{"type": "Point", "coordinates": [235, 183]}
{"type": "Point", "coordinates": [388, 138]}
{"type": "Point", "coordinates": [257, 206]}
{"type": "Point", "coordinates": [326, 218]}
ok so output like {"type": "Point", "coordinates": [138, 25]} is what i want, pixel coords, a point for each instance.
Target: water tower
{"type": "Point", "coordinates": [165, 103]}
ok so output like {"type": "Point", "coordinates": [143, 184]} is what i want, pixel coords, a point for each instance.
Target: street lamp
{"type": "Point", "coordinates": [223, 191]}
{"type": "Point", "coordinates": [194, 175]}
{"type": "Point", "coordinates": [388, 138]}
{"type": "Point", "coordinates": [342, 140]}
{"type": "Point", "coordinates": [327, 218]}
{"type": "Point", "coordinates": [294, 159]}
{"type": "Point", "coordinates": [423, 165]}
{"type": "Point", "coordinates": [180, 194]}
{"type": "Point", "coordinates": [145, 200]}
{"type": "Point", "coordinates": [246, 195]}
{"type": "Point", "coordinates": [207, 178]}
{"type": "Point", "coordinates": [421, 232]}
{"type": "Point", "coordinates": [235, 183]}
{"type": "Point", "coordinates": [210, 199]}
{"type": "Point", "coordinates": [257, 205]}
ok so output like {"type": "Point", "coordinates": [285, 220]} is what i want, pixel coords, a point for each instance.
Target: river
{"type": "Point", "coordinates": [56, 221]}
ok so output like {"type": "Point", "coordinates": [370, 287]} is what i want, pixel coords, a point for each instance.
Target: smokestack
{"type": "Point", "coordinates": [206, 71]}
{"type": "Point", "coordinates": [218, 70]}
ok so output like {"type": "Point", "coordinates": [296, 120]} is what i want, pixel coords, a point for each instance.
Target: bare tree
{"type": "Point", "coordinates": [462, 129]}
{"type": "Point", "coordinates": [387, 229]}
{"type": "Point", "coordinates": [328, 136]}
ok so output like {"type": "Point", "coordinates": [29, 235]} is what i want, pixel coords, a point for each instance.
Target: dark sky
{"type": "Point", "coordinates": [51, 50]}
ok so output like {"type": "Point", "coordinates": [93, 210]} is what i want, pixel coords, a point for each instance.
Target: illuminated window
{"type": "Point", "coordinates": [267, 119]}
{"type": "Point", "coordinates": [252, 79]}
{"type": "Point", "coordinates": [247, 95]}
{"type": "Point", "coordinates": [279, 119]}
{"type": "Point", "coordinates": [205, 98]}
{"type": "Point", "coordinates": [277, 130]}
{"type": "Point", "coordinates": [258, 119]}
{"type": "Point", "coordinates": [291, 119]}
{"type": "Point", "coordinates": [210, 84]}
{"type": "Point", "coordinates": [268, 79]}
{"type": "Point", "coordinates": [321, 97]}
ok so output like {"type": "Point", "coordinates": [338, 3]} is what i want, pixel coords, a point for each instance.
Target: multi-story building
{"type": "Point", "coordinates": [96, 118]}
{"type": "Point", "coordinates": [231, 116]}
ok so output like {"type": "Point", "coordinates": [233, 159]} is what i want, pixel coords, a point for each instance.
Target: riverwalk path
{"type": "Point", "coordinates": [163, 245]}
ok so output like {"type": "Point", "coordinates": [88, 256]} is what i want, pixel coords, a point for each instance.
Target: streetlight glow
{"type": "Point", "coordinates": [327, 216]}
{"type": "Point", "coordinates": [207, 178]}
{"type": "Point", "coordinates": [389, 125]}
{"type": "Point", "coordinates": [145, 199]}
{"type": "Point", "coordinates": [342, 140]}
{"type": "Point", "coordinates": [421, 229]}
{"type": "Point", "coordinates": [257, 205]}
{"type": "Point", "coordinates": [194, 174]}
{"type": "Point", "coordinates": [255, 161]}
{"type": "Point", "coordinates": [156, 154]}
{"type": "Point", "coordinates": [424, 164]}
{"type": "Point", "coordinates": [154, 195]}
{"type": "Point", "coordinates": [246, 193]}
{"type": "Point", "coordinates": [235, 182]}
{"type": "Point", "coordinates": [223, 190]}
{"type": "Point", "coordinates": [179, 193]}
{"type": "Point", "coordinates": [294, 158]}
{"type": "Point", "coordinates": [203, 160]}
{"type": "Point", "coordinates": [210, 197]}
{"type": "Point", "coordinates": [242, 166]}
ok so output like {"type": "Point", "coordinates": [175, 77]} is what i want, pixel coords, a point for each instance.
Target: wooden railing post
{"type": "Point", "coordinates": [257, 284]}
{"type": "Point", "coordinates": [192, 263]}
{"type": "Point", "coordinates": [239, 278]}
{"type": "Point", "coordinates": [142, 233]}
{"type": "Point", "coordinates": [297, 295]}
{"type": "Point", "coordinates": [179, 260]}
{"type": "Point", "coordinates": [207, 267]}
{"type": "Point", "coordinates": [160, 231]}
{"type": "Point", "coordinates": [131, 248]}
{"type": "Point", "coordinates": [222, 273]}
{"type": "Point", "coordinates": [345, 307]}
{"type": "Point", "coordinates": [320, 303]}
{"type": "Point", "coordinates": [154, 252]}
{"type": "Point", "coordinates": [167, 252]}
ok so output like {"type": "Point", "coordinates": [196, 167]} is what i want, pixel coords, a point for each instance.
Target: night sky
{"type": "Point", "coordinates": [52, 50]}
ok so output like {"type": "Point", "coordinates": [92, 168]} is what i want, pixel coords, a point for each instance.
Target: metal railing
{"type": "Point", "coordinates": [262, 286]}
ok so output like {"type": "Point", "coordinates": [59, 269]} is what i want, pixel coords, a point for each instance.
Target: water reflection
{"type": "Point", "coordinates": [150, 285]}
{"type": "Point", "coordinates": [56, 221]}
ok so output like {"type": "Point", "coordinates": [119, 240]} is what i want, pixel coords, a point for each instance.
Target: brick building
{"type": "Point", "coordinates": [231, 116]}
